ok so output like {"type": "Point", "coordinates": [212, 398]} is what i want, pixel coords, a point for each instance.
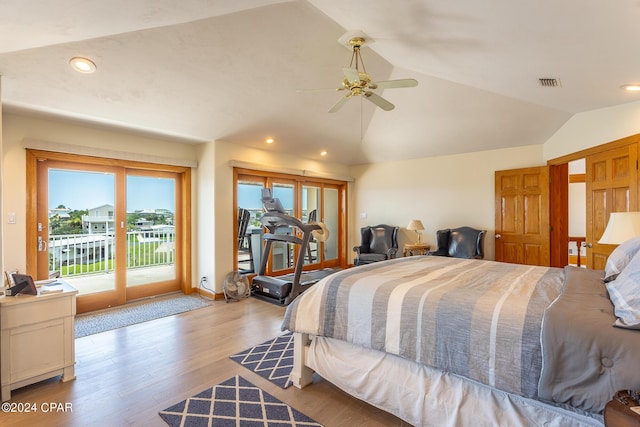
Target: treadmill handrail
{"type": "Point", "coordinates": [283, 238]}
{"type": "Point", "coordinates": [273, 220]}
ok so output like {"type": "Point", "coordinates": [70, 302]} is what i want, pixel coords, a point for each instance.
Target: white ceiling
{"type": "Point", "coordinates": [205, 70]}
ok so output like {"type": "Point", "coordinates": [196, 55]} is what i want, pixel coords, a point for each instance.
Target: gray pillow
{"type": "Point", "coordinates": [624, 293]}
{"type": "Point", "coordinates": [620, 257]}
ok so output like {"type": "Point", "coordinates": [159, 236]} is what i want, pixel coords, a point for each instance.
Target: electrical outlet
{"type": "Point", "coordinates": [204, 280]}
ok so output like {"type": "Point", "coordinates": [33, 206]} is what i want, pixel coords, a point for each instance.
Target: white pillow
{"type": "Point", "coordinates": [624, 293]}
{"type": "Point", "coordinates": [620, 257]}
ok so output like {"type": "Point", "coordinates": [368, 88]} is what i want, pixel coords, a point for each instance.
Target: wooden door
{"type": "Point", "coordinates": [522, 216]}
{"type": "Point", "coordinates": [612, 186]}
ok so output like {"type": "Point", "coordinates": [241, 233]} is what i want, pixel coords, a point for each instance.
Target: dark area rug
{"type": "Point", "coordinates": [234, 402]}
{"type": "Point", "coordinates": [272, 359]}
{"type": "Point", "coordinates": [137, 312]}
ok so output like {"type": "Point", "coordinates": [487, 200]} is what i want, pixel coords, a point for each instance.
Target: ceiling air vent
{"type": "Point", "coordinates": [549, 82]}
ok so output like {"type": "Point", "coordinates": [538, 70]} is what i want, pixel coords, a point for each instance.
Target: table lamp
{"type": "Point", "coordinates": [416, 225]}
{"type": "Point", "coordinates": [621, 226]}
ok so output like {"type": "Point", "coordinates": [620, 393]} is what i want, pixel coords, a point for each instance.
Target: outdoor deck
{"type": "Point", "coordinates": [100, 282]}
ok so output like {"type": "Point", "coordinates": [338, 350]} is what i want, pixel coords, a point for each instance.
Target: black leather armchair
{"type": "Point", "coordinates": [462, 242]}
{"type": "Point", "coordinates": [378, 243]}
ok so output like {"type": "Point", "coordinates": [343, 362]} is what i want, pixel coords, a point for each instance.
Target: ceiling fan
{"type": "Point", "coordinates": [358, 82]}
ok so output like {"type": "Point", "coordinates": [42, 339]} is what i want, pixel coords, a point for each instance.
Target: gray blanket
{"type": "Point", "coordinates": [586, 359]}
{"type": "Point", "coordinates": [478, 319]}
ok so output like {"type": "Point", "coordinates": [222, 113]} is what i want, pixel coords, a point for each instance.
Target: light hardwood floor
{"type": "Point", "coordinates": [124, 377]}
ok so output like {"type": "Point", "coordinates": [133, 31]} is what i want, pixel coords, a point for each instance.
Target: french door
{"type": "Point", "coordinates": [113, 230]}
{"type": "Point", "coordinates": [307, 200]}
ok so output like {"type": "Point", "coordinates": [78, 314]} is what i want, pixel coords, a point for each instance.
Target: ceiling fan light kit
{"type": "Point", "coordinates": [358, 82]}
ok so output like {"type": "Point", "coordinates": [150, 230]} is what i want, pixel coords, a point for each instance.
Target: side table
{"type": "Point", "coordinates": [415, 249]}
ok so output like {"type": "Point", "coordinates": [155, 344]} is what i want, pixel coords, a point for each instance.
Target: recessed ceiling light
{"type": "Point", "coordinates": [269, 141]}
{"type": "Point", "coordinates": [82, 65]}
{"type": "Point", "coordinates": [634, 87]}
{"type": "Point", "coordinates": [323, 153]}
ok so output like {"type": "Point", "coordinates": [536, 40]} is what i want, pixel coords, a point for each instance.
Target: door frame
{"type": "Point", "coordinates": [558, 191]}
{"type": "Point", "coordinates": [183, 219]}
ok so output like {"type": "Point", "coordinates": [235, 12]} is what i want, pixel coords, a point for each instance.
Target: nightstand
{"type": "Point", "coordinates": [415, 249]}
{"type": "Point", "coordinates": [37, 338]}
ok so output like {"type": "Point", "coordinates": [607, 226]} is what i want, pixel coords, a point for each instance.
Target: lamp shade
{"type": "Point", "coordinates": [415, 225]}
{"type": "Point", "coordinates": [621, 226]}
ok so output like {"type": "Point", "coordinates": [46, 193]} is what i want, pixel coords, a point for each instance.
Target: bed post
{"type": "Point", "coordinates": [301, 375]}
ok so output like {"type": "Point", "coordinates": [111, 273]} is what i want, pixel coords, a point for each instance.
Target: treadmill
{"type": "Point", "coordinates": [282, 290]}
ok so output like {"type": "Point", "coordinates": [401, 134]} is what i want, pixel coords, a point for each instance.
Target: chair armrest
{"type": "Point", "coordinates": [358, 249]}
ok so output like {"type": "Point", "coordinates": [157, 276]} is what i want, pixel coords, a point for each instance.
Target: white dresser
{"type": "Point", "coordinates": [36, 338]}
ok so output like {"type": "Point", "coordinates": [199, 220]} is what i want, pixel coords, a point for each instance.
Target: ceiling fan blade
{"type": "Point", "coordinates": [394, 83]}
{"type": "Point", "coordinates": [338, 105]}
{"type": "Point", "coordinates": [379, 101]}
{"type": "Point", "coordinates": [351, 74]}
{"type": "Point", "coordinates": [319, 90]}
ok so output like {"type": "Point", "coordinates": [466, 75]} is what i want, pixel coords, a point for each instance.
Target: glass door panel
{"type": "Point", "coordinates": [331, 221]}
{"type": "Point", "coordinates": [249, 247]}
{"type": "Point", "coordinates": [151, 231]}
{"type": "Point", "coordinates": [311, 213]}
{"type": "Point", "coordinates": [81, 229]}
{"type": "Point", "coordinates": [283, 254]}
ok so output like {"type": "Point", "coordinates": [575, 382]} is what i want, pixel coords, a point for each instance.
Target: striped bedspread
{"type": "Point", "coordinates": [479, 319]}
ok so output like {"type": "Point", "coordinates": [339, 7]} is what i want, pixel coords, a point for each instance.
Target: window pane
{"type": "Point", "coordinates": [249, 195]}
{"type": "Point", "coordinates": [81, 228]}
{"type": "Point", "coordinates": [150, 230]}
{"type": "Point", "coordinates": [310, 205]}
{"type": "Point", "coordinates": [330, 219]}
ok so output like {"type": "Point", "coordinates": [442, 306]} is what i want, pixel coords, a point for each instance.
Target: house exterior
{"type": "Point", "coordinates": [62, 213]}
{"type": "Point", "coordinates": [99, 220]}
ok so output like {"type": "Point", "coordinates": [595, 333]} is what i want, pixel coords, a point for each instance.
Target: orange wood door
{"type": "Point", "coordinates": [522, 216]}
{"type": "Point", "coordinates": [612, 186]}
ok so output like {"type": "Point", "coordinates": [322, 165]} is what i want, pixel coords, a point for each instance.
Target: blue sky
{"type": "Point", "coordinates": [85, 190]}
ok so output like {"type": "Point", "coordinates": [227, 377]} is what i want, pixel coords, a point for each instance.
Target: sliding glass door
{"type": "Point", "coordinates": [113, 232]}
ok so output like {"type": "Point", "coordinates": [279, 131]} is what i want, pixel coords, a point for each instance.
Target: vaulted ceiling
{"type": "Point", "coordinates": [237, 71]}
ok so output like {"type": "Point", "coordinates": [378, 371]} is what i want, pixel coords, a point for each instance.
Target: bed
{"type": "Point", "coordinates": [447, 341]}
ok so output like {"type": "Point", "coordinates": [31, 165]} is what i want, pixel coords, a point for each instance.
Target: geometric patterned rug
{"type": "Point", "coordinates": [272, 359]}
{"type": "Point", "coordinates": [235, 402]}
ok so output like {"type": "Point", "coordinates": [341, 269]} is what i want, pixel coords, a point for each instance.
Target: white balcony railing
{"type": "Point", "coordinates": [77, 254]}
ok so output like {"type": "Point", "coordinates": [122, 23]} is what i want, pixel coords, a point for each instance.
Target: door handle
{"type": "Point", "coordinates": [588, 245]}
{"type": "Point", "coordinates": [42, 245]}
{"type": "Point", "coordinates": [498, 236]}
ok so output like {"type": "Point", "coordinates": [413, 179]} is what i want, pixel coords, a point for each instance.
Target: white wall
{"type": "Point", "coordinates": [577, 201]}
{"type": "Point", "coordinates": [443, 192]}
{"type": "Point", "coordinates": [592, 128]}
